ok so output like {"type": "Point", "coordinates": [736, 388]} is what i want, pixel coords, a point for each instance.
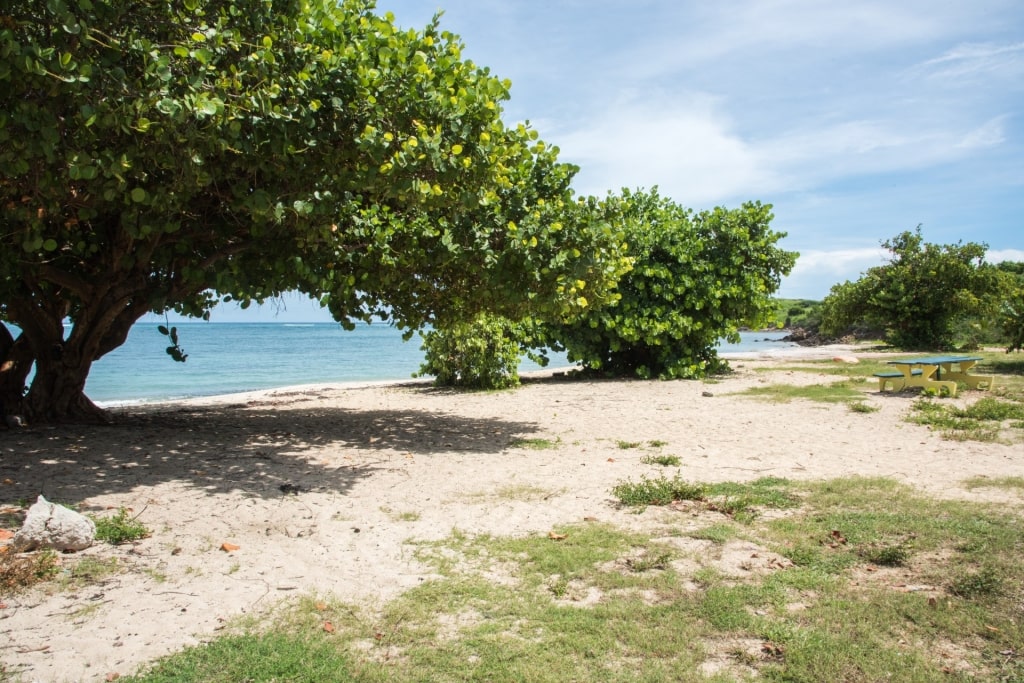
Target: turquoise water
{"type": "Point", "coordinates": [225, 358]}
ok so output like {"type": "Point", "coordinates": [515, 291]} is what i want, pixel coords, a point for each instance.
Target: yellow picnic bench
{"type": "Point", "coordinates": [934, 372]}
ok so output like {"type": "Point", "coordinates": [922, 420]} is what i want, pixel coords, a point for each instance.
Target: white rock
{"type": "Point", "coordinates": [48, 525]}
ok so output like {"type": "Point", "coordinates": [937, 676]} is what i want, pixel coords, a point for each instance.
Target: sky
{"type": "Point", "coordinates": [856, 120]}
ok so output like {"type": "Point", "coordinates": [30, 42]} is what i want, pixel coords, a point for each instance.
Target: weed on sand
{"type": "Point", "coordinates": [119, 528]}
{"type": "Point", "coordinates": [878, 583]}
{"type": "Point", "coordinates": [987, 419]}
{"type": "Point", "coordinates": [836, 392]}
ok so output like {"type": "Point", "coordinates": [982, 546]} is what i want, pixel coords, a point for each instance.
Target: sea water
{"type": "Point", "coordinates": [226, 358]}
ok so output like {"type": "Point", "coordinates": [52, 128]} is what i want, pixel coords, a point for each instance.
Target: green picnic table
{"type": "Point", "coordinates": [934, 372]}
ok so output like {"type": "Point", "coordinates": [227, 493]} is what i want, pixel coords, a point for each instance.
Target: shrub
{"type": "Point", "coordinates": [481, 354]}
{"type": "Point", "coordinates": [697, 278]}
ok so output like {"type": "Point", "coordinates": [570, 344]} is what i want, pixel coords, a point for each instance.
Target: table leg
{"type": "Point", "coordinates": [963, 374]}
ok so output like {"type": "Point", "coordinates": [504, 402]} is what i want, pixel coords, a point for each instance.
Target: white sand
{"type": "Point", "coordinates": [376, 466]}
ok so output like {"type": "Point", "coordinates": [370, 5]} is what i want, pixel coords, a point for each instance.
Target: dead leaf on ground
{"type": "Point", "coordinates": [557, 537]}
{"type": "Point", "coordinates": [6, 534]}
{"type": "Point", "coordinates": [113, 676]}
{"type": "Point", "coordinates": [229, 547]}
{"type": "Point", "coordinates": [320, 607]}
{"type": "Point", "coordinates": [329, 627]}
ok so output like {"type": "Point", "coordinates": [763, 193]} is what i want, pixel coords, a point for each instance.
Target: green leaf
{"type": "Point", "coordinates": [139, 195]}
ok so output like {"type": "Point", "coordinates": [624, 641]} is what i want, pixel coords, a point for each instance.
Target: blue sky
{"type": "Point", "coordinates": [857, 120]}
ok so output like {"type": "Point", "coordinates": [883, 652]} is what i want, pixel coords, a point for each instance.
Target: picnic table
{"type": "Point", "coordinates": [934, 372]}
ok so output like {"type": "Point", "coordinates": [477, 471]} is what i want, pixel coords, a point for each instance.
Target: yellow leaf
{"type": "Point", "coordinates": [229, 547]}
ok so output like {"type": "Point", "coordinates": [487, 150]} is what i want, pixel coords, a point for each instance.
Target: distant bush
{"type": "Point", "coordinates": [921, 296]}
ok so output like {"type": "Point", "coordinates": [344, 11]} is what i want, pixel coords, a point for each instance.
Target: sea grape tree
{"type": "Point", "coordinates": [168, 155]}
{"type": "Point", "coordinates": [697, 277]}
{"type": "Point", "coordinates": [1011, 310]}
{"type": "Point", "coordinates": [919, 295]}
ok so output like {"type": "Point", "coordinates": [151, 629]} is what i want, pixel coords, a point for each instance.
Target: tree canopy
{"type": "Point", "coordinates": [167, 155]}
{"type": "Point", "coordinates": [696, 278]}
{"type": "Point", "coordinates": [919, 295]}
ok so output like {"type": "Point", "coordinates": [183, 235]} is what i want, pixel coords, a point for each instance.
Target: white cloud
{"type": "Point", "coordinates": [840, 260]}
{"type": "Point", "coordinates": [989, 134]}
{"type": "Point", "coordinates": [683, 145]}
{"type": "Point", "coordinates": [1000, 255]}
{"type": "Point", "coordinates": [688, 146]}
{"type": "Point", "coordinates": [816, 270]}
{"type": "Point", "coordinates": [971, 60]}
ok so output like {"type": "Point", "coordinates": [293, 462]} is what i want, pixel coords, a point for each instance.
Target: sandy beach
{"type": "Point", "coordinates": [321, 488]}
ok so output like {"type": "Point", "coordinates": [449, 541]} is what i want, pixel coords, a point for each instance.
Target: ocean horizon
{"type": "Point", "coordinates": [231, 357]}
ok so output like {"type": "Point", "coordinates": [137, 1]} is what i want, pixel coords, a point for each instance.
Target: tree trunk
{"type": "Point", "coordinates": [57, 391]}
{"type": "Point", "coordinates": [57, 394]}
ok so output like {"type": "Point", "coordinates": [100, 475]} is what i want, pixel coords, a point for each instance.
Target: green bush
{"type": "Point", "coordinates": [697, 278]}
{"type": "Point", "coordinates": [481, 354]}
{"type": "Point", "coordinates": [921, 297]}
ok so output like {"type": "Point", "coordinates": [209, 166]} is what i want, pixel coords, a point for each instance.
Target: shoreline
{"type": "Point", "coordinates": [823, 352]}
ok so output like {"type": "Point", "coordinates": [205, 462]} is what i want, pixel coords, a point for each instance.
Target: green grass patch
{"type": "Point", "coordinates": [593, 602]}
{"type": "Point", "coordinates": [716, 533]}
{"type": "Point", "coordinates": [257, 657]}
{"type": "Point", "coordinates": [1013, 483]}
{"type": "Point", "coordinates": [119, 528]}
{"type": "Point", "coordinates": [537, 444]}
{"type": "Point", "coordinates": [987, 419]}
{"type": "Point", "coordinates": [736, 500]}
{"type": "Point", "coordinates": [657, 491]}
{"type": "Point", "coordinates": [663, 460]}
{"type": "Point", "coordinates": [88, 570]}
{"type": "Point", "coordinates": [836, 392]}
